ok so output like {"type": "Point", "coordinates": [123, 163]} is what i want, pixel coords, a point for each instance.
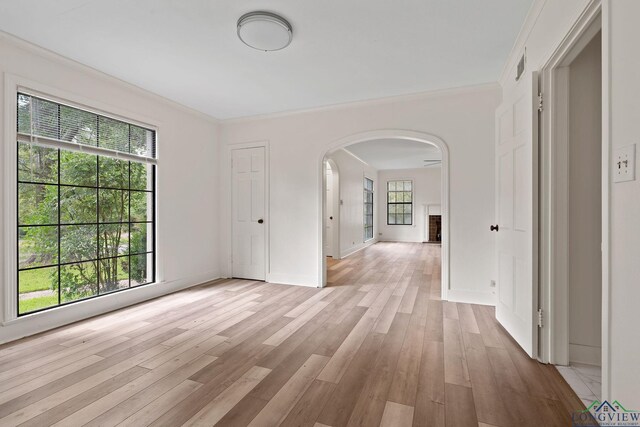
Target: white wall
{"type": "Point", "coordinates": [545, 28]}
{"type": "Point", "coordinates": [187, 187]}
{"type": "Point", "coordinates": [585, 205]}
{"type": "Point", "coordinates": [624, 63]}
{"type": "Point", "coordinates": [426, 191]}
{"type": "Point", "coordinates": [299, 141]}
{"type": "Point", "coordinates": [351, 220]}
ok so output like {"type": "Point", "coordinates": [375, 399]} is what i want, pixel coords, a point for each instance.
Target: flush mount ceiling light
{"type": "Point", "coordinates": [264, 31]}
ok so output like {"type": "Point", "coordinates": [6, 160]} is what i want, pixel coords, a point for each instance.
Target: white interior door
{"type": "Point", "coordinates": [328, 220]}
{"type": "Point", "coordinates": [248, 208]}
{"type": "Point", "coordinates": [516, 204]}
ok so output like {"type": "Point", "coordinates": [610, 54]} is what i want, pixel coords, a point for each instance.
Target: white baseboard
{"type": "Point", "coordinates": [60, 316]}
{"type": "Point", "coordinates": [585, 354]}
{"type": "Point", "coordinates": [352, 250]}
{"type": "Point", "coordinates": [293, 279]}
{"type": "Point", "coordinates": [401, 240]}
{"type": "Point", "coordinates": [471, 297]}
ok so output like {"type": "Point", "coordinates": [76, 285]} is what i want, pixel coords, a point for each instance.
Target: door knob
{"type": "Point", "coordinates": [260, 221]}
{"type": "Point", "coordinates": [330, 217]}
{"type": "Point", "coordinates": [494, 228]}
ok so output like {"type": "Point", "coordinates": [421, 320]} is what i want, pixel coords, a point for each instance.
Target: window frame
{"type": "Point", "coordinates": [388, 203]}
{"type": "Point", "coordinates": [14, 86]}
{"type": "Point", "coordinates": [365, 204]}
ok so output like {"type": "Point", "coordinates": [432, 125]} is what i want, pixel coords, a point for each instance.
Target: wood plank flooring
{"type": "Point", "coordinates": [376, 347]}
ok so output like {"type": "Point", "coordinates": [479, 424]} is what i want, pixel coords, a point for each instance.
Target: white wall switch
{"type": "Point", "coordinates": [624, 164]}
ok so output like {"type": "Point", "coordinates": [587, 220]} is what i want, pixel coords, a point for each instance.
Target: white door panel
{"type": "Point", "coordinates": [248, 207]}
{"type": "Point", "coordinates": [516, 168]}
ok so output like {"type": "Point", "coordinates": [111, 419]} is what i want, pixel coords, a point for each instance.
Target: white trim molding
{"type": "Point", "coordinates": [59, 315]}
{"type": "Point", "coordinates": [554, 251]}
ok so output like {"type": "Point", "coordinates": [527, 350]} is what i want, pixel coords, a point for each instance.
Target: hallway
{"type": "Point", "coordinates": [375, 347]}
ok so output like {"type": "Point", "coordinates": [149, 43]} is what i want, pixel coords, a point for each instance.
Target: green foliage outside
{"type": "Point", "coordinates": [98, 198]}
{"type": "Point", "coordinates": [37, 303]}
{"type": "Point", "coordinates": [35, 280]}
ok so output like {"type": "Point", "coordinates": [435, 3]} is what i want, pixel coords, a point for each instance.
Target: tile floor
{"type": "Point", "coordinates": [585, 380]}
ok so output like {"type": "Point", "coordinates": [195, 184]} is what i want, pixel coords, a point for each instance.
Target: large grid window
{"type": "Point", "coordinates": [368, 209]}
{"type": "Point", "coordinates": [399, 202]}
{"type": "Point", "coordinates": [86, 204]}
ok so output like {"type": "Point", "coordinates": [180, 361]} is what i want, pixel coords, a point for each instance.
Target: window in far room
{"type": "Point", "coordinates": [399, 202]}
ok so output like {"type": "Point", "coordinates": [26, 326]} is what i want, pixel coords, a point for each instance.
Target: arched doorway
{"type": "Point", "coordinates": [390, 134]}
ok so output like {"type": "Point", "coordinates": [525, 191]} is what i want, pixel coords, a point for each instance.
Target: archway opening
{"type": "Point", "coordinates": [392, 193]}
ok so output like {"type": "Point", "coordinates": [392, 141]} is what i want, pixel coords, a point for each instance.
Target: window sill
{"type": "Point", "coordinates": [78, 306]}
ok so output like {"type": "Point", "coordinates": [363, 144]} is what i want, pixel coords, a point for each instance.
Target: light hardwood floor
{"type": "Point", "coordinates": [375, 347]}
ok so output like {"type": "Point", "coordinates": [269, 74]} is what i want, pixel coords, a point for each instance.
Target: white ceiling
{"type": "Point", "coordinates": [384, 154]}
{"type": "Point", "coordinates": [342, 51]}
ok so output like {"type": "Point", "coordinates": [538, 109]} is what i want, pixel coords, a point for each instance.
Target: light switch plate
{"type": "Point", "coordinates": [624, 164]}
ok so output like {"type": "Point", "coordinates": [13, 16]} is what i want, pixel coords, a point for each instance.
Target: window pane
{"type": "Point", "coordinates": [44, 118]}
{"type": "Point", "coordinates": [407, 218]}
{"type": "Point", "coordinates": [78, 168]}
{"type": "Point", "coordinates": [78, 126]}
{"type": "Point", "coordinates": [391, 219]}
{"type": "Point", "coordinates": [392, 197]}
{"type": "Point", "coordinates": [78, 281]}
{"type": "Point", "coordinates": [407, 186]}
{"type": "Point", "coordinates": [37, 289]}
{"type": "Point", "coordinates": [368, 184]}
{"type": "Point", "coordinates": [24, 113]}
{"type": "Point", "coordinates": [141, 176]}
{"type": "Point", "coordinates": [37, 204]}
{"type": "Point", "coordinates": [114, 173]}
{"type": "Point", "coordinates": [114, 274]}
{"type": "Point", "coordinates": [113, 205]}
{"type": "Point", "coordinates": [78, 243]}
{"type": "Point", "coordinates": [113, 240]}
{"type": "Point", "coordinates": [142, 141]}
{"type": "Point", "coordinates": [407, 196]}
{"type": "Point", "coordinates": [113, 134]}
{"type": "Point", "coordinates": [37, 246]}
{"type": "Point", "coordinates": [407, 209]}
{"type": "Point", "coordinates": [141, 268]}
{"type": "Point", "coordinates": [391, 186]}
{"type": "Point", "coordinates": [78, 205]}
{"type": "Point", "coordinates": [140, 206]}
{"type": "Point", "coordinates": [141, 239]}
{"type": "Point", "coordinates": [37, 164]}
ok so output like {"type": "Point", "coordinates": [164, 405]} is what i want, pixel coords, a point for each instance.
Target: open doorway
{"type": "Point", "coordinates": [572, 172]}
{"type": "Point", "coordinates": [331, 234]}
{"type": "Point", "coordinates": [392, 192]}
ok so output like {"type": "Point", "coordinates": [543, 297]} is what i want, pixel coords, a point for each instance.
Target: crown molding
{"type": "Point", "coordinates": [482, 87]}
{"type": "Point", "coordinates": [53, 56]}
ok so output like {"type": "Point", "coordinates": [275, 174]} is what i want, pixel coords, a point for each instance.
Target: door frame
{"type": "Point", "coordinates": [335, 231]}
{"type": "Point", "coordinates": [230, 149]}
{"type": "Point", "coordinates": [410, 135]}
{"type": "Point", "coordinates": [554, 187]}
